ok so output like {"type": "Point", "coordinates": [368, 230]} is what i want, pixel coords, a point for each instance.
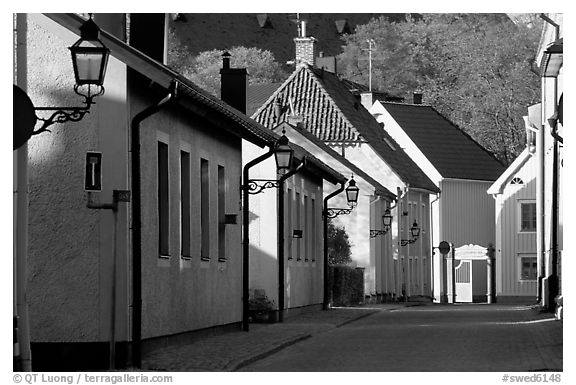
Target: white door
{"type": "Point", "coordinates": [463, 280]}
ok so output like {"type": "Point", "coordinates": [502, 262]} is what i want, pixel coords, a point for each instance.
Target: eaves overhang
{"type": "Point", "coordinates": [159, 73]}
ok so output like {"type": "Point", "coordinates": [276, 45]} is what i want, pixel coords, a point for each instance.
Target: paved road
{"type": "Point", "coordinates": [432, 338]}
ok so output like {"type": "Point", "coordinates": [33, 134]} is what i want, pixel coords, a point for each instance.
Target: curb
{"type": "Point", "coordinates": [237, 364]}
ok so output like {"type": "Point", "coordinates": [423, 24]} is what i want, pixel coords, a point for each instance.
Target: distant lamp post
{"type": "Point", "coordinates": [89, 59]}
{"type": "Point", "coordinates": [414, 233]}
{"type": "Point", "coordinates": [351, 196]}
{"type": "Point", "coordinates": [283, 153]}
{"type": "Point", "coordinates": [352, 193]}
{"type": "Point", "coordinates": [386, 224]}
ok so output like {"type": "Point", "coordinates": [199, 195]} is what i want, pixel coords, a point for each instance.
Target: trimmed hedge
{"type": "Point", "coordinates": [346, 285]}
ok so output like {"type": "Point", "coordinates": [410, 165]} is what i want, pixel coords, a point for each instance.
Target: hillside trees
{"type": "Point", "coordinates": [476, 69]}
{"type": "Point", "coordinates": [204, 68]}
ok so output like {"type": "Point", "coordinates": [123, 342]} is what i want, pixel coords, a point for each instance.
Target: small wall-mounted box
{"type": "Point", "coordinates": [231, 219]}
{"type": "Point", "coordinates": [297, 234]}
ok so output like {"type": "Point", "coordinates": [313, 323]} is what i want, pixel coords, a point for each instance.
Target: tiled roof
{"type": "Point", "coordinates": [258, 94]}
{"type": "Point", "coordinates": [333, 113]}
{"type": "Point", "coordinates": [379, 188]}
{"type": "Point", "coordinates": [452, 151]}
{"type": "Point", "coordinates": [311, 102]}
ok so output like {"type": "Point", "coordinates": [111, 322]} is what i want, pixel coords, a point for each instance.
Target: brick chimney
{"type": "Point", "coordinates": [305, 46]}
{"type": "Point", "coordinates": [233, 84]}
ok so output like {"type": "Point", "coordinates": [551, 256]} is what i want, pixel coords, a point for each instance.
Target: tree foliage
{"type": "Point", "coordinates": [339, 252]}
{"type": "Point", "coordinates": [204, 68]}
{"type": "Point", "coordinates": [475, 69]}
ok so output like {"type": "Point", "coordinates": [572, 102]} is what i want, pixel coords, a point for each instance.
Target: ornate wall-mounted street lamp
{"type": "Point", "coordinates": [386, 224]}
{"type": "Point", "coordinates": [89, 59]}
{"type": "Point", "coordinates": [415, 234]}
{"type": "Point", "coordinates": [284, 155]}
{"type": "Point", "coordinates": [352, 197]}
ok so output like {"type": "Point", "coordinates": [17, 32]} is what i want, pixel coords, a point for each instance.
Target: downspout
{"type": "Point", "coordinates": [22, 351]}
{"type": "Point", "coordinates": [281, 181]}
{"type": "Point", "coordinates": [326, 301]}
{"type": "Point", "coordinates": [431, 224]}
{"type": "Point", "coordinates": [137, 222]}
{"type": "Point", "coordinates": [246, 236]}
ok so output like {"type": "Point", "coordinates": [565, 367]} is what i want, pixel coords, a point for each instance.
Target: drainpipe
{"type": "Point", "coordinates": [431, 224]}
{"type": "Point", "coordinates": [246, 236]}
{"type": "Point", "coordinates": [137, 223]}
{"type": "Point", "coordinates": [22, 352]}
{"type": "Point", "coordinates": [281, 181]}
{"type": "Point", "coordinates": [326, 301]}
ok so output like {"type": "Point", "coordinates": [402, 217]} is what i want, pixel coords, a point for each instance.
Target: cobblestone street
{"type": "Point", "coordinates": [383, 338]}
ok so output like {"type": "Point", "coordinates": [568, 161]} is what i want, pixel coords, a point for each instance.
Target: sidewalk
{"type": "Point", "coordinates": [231, 351]}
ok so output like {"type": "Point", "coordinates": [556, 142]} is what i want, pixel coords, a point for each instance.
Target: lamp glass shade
{"type": "Point", "coordinates": [352, 193]}
{"type": "Point", "coordinates": [387, 219]}
{"type": "Point", "coordinates": [415, 230]}
{"type": "Point", "coordinates": [283, 154]}
{"type": "Point", "coordinates": [89, 56]}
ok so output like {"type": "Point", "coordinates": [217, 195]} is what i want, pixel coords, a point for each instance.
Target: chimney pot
{"type": "Point", "coordinates": [226, 60]}
{"type": "Point", "coordinates": [417, 98]}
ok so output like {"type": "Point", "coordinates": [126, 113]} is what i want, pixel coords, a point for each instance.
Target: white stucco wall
{"type": "Point", "coordinates": [71, 247]}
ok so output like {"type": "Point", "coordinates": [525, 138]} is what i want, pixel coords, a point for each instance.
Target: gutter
{"type": "Point", "coordinates": [137, 221]}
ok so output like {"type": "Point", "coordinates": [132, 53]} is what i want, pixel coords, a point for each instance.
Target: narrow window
{"type": "Point", "coordinates": [185, 203]}
{"type": "Point", "coordinates": [314, 231]}
{"type": "Point", "coordinates": [297, 226]}
{"type": "Point", "coordinates": [289, 226]}
{"type": "Point", "coordinates": [221, 214]}
{"type": "Point", "coordinates": [163, 201]}
{"type": "Point", "coordinates": [204, 210]}
{"type": "Point", "coordinates": [306, 229]}
{"type": "Point", "coordinates": [528, 217]}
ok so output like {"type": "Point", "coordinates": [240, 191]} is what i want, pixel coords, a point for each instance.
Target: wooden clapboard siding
{"type": "Point", "coordinates": [466, 212]}
{"type": "Point", "coordinates": [512, 242]}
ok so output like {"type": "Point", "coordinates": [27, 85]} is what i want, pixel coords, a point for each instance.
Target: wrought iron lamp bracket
{"type": "Point", "coordinates": [375, 233]}
{"type": "Point", "coordinates": [404, 242]}
{"type": "Point", "coordinates": [256, 186]}
{"type": "Point", "coordinates": [68, 114]}
{"type": "Point", "coordinates": [334, 212]}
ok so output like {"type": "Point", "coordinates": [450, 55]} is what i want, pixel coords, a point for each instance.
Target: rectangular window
{"type": "Point", "coordinates": [163, 201]}
{"type": "Point", "coordinates": [314, 231]}
{"type": "Point", "coordinates": [527, 216]}
{"type": "Point", "coordinates": [297, 226]}
{"type": "Point", "coordinates": [185, 203]}
{"type": "Point", "coordinates": [221, 214]}
{"type": "Point", "coordinates": [528, 268]}
{"type": "Point", "coordinates": [289, 226]}
{"type": "Point", "coordinates": [306, 232]}
{"type": "Point", "coordinates": [204, 210]}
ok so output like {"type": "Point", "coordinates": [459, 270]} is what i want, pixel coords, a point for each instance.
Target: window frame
{"type": "Point", "coordinates": [522, 256]}
{"type": "Point", "coordinates": [522, 202]}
